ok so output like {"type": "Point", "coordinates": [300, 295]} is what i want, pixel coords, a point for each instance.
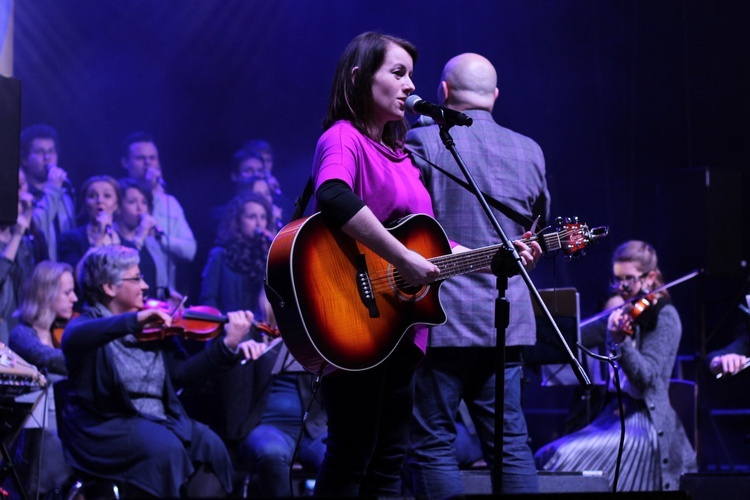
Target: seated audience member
{"type": "Point", "coordinates": [268, 419]}
{"type": "Point", "coordinates": [263, 404]}
{"type": "Point", "coordinates": [16, 260]}
{"type": "Point", "coordinates": [140, 158]}
{"type": "Point", "coordinates": [46, 299]}
{"type": "Point", "coordinates": [123, 420]}
{"type": "Point", "coordinates": [656, 449]}
{"type": "Point", "coordinates": [138, 228]}
{"type": "Point", "coordinates": [54, 209]}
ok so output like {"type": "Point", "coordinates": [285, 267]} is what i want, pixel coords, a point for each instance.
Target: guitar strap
{"type": "Point", "coordinates": [504, 209]}
{"type": "Point", "coordinates": [526, 222]}
{"type": "Point", "coordinates": [300, 204]}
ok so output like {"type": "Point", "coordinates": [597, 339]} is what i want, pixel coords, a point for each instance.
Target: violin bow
{"type": "Point", "coordinates": [178, 307]}
{"type": "Point", "coordinates": [609, 311]}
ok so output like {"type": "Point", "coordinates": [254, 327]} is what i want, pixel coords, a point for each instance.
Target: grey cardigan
{"type": "Point", "coordinates": [648, 366]}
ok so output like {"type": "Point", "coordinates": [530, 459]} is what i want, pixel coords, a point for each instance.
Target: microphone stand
{"type": "Point", "coordinates": [506, 263]}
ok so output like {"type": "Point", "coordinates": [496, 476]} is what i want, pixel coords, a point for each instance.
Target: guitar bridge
{"type": "Point", "coordinates": [364, 285]}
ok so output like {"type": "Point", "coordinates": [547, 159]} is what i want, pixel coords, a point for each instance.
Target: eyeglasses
{"type": "Point", "coordinates": [134, 279]}
{"type": "Point", "coordinates": [626, 281]}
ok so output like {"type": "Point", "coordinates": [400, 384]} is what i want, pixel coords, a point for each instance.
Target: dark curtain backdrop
{"type": "Point", "coordinates": [634, 103]}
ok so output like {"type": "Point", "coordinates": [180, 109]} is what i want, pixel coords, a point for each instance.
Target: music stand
{"type": "Point", "coordinates": [548, 353]}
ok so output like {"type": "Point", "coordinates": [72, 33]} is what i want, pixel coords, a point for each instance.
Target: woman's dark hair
{"type": "Point", "coordinates": [351, 96]}
{"type": "Point", "coordinates": [130, 183]}
{"type": "Point", "coordinates": [243, 253]}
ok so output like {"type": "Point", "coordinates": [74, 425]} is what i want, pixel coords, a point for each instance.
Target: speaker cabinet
{"type": "Point", "coordinates": [698, 216]}
{"type": "Point", "coordinates": [10, 133]}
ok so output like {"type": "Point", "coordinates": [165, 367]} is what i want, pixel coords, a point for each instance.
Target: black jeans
{"type": "Point", "coordinates": [369, 413]}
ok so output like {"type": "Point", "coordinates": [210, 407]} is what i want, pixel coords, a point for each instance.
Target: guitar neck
{"type": "Point", "coordinates": [465, 262]}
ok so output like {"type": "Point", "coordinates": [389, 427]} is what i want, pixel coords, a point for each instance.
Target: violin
{"type": "Point", "coordinates": [645, 301]}
{"type": "Point", "coordinates": [201, 323]}
{"type": "Point", "coordinates": [58, 327]}
{"type": "Point", "coordinates": [632, 312]}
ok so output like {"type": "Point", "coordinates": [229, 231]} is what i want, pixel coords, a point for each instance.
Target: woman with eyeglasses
{"type": "Point", "coordinates": [122, 419]}
{"type": "Point", "coordinates": [656, 449]}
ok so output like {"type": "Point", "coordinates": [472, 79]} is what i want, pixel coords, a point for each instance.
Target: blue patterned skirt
{"type": "Point", "coordinates": [594, 448]}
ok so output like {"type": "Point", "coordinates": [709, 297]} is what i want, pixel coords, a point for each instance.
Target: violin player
{"type": "Point", "coordinates": [122, 418]}
{"type": "Point", "coordinates": [656, 449]}
{"type": "Point", "coordinates": [46, 297]}
{"type": "Point", "coordinates": [730, 359]}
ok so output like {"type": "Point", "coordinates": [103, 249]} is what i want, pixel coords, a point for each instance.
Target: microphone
{"type": "Point", "coordinates": [441, 115]}
{"type": "Point", "coordinates": [66, 182]}
{"type": "Point", "coordinates": [158, 231]}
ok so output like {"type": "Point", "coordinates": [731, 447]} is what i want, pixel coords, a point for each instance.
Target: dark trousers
{"type": "Point", "coordinates": [369, 413]}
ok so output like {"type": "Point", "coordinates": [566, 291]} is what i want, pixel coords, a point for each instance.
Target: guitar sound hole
{"type": "Point", "coordinates": [403, 290]}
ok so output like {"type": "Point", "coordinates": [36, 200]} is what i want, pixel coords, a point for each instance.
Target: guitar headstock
{"type": "Point", "coordinates": [575, 236]}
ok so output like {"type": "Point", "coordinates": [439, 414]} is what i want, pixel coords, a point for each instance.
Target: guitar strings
{"type": "Point", "coordinates": [387, 278]}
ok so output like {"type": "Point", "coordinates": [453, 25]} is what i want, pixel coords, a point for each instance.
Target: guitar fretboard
{"type": "Point", "coordinates": [465, 262]}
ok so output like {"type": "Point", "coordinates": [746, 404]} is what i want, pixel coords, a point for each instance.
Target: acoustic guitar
{"type": "Point", "coordinates": [341, 306]}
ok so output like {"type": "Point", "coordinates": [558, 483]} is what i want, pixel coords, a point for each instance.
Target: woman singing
{"type": "Point", "coordinates": [363, 179]}
{"type": "Point", "coordinates": [101, 198]}
{"type": "Point", "coordinates": [123, 420]}
{"type": "Point", "coordinates": [233, 275]}
{"type": "Point", "coordinates": [137, 227]}
{"type": "Point", "coordinates": [656, 450]}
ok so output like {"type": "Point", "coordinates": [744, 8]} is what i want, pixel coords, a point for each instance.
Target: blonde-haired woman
{"type": "Point", "coordinates": [656, 449]}
{"type": "Point", "coordinates": [47, 297]}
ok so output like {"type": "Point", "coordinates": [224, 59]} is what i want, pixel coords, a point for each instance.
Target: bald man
{"type": "Point", "coordinates": [460, 358]}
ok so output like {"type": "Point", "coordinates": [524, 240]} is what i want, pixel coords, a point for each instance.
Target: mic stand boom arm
{"type": "Point", "coordinates": [503, 271]}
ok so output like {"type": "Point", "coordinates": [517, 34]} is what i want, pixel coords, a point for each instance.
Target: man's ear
{"type": "Point", "coordinates": [443, 92]}
{"type": "Point", "coordinates": [110, 289]}
{"type": "Point", "coordinates": [355, 69]}
{"type": "Point", "coordinates": [497, 93]}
